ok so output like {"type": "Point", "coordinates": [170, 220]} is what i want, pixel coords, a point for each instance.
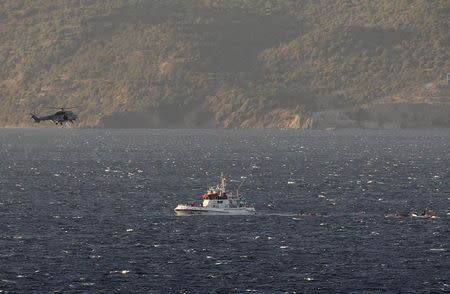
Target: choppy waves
{"type": "Point", "coordinates": [91, 211]}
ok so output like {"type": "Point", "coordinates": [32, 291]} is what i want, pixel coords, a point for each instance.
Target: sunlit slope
{"type": "Point", "coordinates": [215, 63]}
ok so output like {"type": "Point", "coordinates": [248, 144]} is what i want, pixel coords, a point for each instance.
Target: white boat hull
{"type": "Point", "coordinates": [199, 210]}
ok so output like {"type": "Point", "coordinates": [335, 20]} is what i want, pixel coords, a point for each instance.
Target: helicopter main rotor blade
{"type": "Point", "coordinates": [52, 107]}
{"type": "Point", "coordinates": [62, 107]}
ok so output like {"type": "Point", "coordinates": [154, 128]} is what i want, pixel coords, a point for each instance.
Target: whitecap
{"type": "Point", "coordinates": [123, 272]}
{"type": "Point", "coordinates": [6, 255]}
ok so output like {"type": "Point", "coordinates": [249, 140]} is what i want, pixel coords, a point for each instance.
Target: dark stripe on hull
{"type": "Point", "coordinates": [198, 210]}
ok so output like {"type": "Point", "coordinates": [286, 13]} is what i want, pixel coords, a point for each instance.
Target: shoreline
{"type": "Point", "coordinates": [330, 129]}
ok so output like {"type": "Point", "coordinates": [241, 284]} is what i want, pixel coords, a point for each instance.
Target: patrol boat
{"type": "Point", "coordinates": [217, 201]}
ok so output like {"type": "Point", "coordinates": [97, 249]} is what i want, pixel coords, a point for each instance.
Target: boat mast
{"type": "Point", "coordinates": [222, 182]}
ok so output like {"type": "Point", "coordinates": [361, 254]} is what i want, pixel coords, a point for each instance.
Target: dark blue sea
{"type": "Point", "coordinates": [92, 211]}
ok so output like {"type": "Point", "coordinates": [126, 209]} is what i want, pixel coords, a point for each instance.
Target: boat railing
{"type": "Point", "coordinates": [195, 203]}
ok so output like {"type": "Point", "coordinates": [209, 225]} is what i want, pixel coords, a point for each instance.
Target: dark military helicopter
{"type": "Point", "coordinates": [60, 117]}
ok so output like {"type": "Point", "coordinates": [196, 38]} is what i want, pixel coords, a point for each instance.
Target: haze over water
{"type": "Point", "coordinates": [92, 210]}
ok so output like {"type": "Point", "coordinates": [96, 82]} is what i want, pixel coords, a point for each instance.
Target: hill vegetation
{"type": "Point", "coordinates": [215, 63]}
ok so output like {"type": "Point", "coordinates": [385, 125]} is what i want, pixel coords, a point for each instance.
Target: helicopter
{"type": "Point", "coordinates": [60, 117]}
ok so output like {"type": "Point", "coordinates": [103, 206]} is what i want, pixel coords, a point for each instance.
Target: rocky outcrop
{"type": "Point", "coordinates": [280, 119]}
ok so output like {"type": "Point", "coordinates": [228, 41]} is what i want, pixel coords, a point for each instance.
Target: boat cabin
{"type": "Point", "coordinates": [211, 195]}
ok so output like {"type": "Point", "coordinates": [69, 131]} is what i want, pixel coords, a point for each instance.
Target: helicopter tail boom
{"type": "Point", "coordinates": [36, 118]}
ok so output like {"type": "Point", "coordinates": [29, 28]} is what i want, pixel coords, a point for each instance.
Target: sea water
{"type": "Point", "coordinates": [92, 211]}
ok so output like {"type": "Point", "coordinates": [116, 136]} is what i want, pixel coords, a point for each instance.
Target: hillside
{"type": "Point", "coordinates": [227, 64]}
